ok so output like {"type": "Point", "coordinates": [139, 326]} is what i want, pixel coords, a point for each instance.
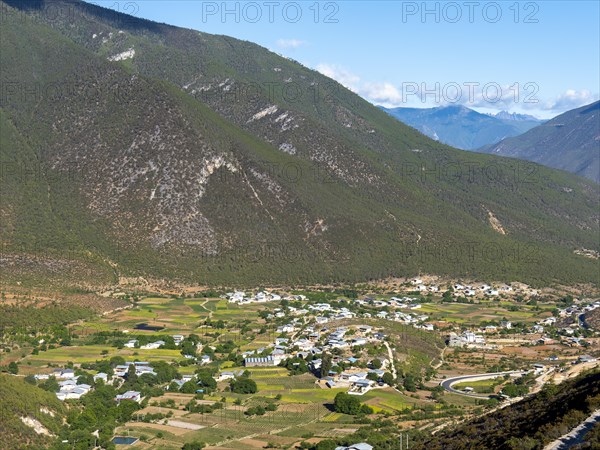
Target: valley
{"type": "Point", "coordinates": [211, 237]}
{"type": "Point", "coordinates": [390, 345]}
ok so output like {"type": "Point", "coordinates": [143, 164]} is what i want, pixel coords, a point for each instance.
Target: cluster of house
{"type": "Point", "coordinates": [467, 338]}
{"type": "Point", "coordinates": [134, 396]}
{"type": "Point", "coordinates": [59, 374]}
{"type": "Point", "coordinates": [309, 344]}
{"type": "Point", "coordinates": [141, 368]}
{"type": "Point", "coordinates": [357, 381]}
{"type": "Point", "coordinates": [133, 343]}
{"type": "Point", "coordinates": [240, 297]}
{"type": "Point", "coordinates": [567, 332]}
{"type": "Point", "coordinates": [504, 324]}
{"type": "Point", "coordinates": [180, 382]}
{"type": "Point", "coordinates": [315, 343]}
{"type": "Point", "coordinates": [578, 309]}
{"type": "Point", "coordinates": [468, 290]}
{"type": "Point", "coordinates": [324, 313]}
{"type": "Point", "coordinates": [69, 389]}
{"type": "Point", "coordinates": [484, 289]}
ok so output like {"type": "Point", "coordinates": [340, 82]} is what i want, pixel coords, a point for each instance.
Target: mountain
{"type": "Point", "coordinates": [569, 142]}
{"type": "Point", "coordinates": [133, 148]}
{"type": "Point", "coordinates": [463, 127]}
{"type": "Point", "coordinates": [516, 117]}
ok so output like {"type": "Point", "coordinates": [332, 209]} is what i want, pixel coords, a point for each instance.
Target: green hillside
{"type": "Point", "coordinates": [154, 168]}
{"type": "Point", "coordinates": [570, 141]}
{"type": "Point", "coordinates": [528, 424]}
{"type": "Point", "coordinates": [30, 418]}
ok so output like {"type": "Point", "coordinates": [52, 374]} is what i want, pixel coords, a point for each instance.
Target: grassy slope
{"type": "Point", "coordinates": [568, 142]}
{"type": "Point", "coordinates": [534, 421]}
{"type": "Point", "coordinates": [19, 399]}
{"type": "Point", "coordinates": [373, 227]}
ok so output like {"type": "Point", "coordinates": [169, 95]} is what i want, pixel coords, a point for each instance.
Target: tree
{"type": "Point", "coordinates": [164, 371]}
{"type": "Point", "coordinates": [447, 296]}
{"type": "Point", "coordinates": [50, 385]}
{"type": "Point", "coordinates": [244, 386]}
{"type": "Point", "coordinates": [372, 376]}
{"type": "Point", "coordinates": [194, 445]}
{"type": "Point", "coordinates": [325, 364]}
{"type": "Point", "coordinates": [13, 368]}
{"type": "Point", "coordinates": [515, 390]}
{"type": "Point", "coordinates": [346, 404]}
{"type": "Point", "coordinates": [117, 361]}
{"type": "Point", "coordinates": [131, 375]}
{"type": "Point", "coordinates": [366, 409]}
{"type": "Point", "coordinates": [188, 348]}
{"type": "Point", "coordinates": [206, 380]}
{"type": "Point", "coordinates": [85, 378]}
{"type": "Point", "coordinates": [296, 366]}
{"type": "Point", "coordinates": [409, 383]}
{"type": "Point", "coordinates": [326, 445]}
{"type": "Point", "coordinates": [255, 411]}
{"type": "Point", "coordinates": [388, 378]}
{"type": "Point", "coordinates": [189, 387]}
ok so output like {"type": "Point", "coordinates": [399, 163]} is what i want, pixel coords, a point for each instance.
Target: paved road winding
{"type": "Point", "coordinates": [447, 383]}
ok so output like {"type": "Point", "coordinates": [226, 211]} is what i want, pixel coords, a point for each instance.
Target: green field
{"type": "Point", "coordinates": [474, 314]}
{"type": "Point", "coordinates": [480, 386]}
{"type": "Point", "coordinates": [91, 353]}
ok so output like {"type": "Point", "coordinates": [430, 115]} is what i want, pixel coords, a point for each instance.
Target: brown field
{"type": "Point", "coordinates": [177, 431]}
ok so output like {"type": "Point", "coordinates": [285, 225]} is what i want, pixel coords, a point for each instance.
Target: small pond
{"type": "Point", "coordinates": [146, 327]}
{"type": "Point", "coordinates": [122, 440]}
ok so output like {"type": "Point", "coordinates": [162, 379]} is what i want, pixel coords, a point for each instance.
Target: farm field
{"type": "Point", "coordinates": [291, 402]}
{"type": "Point", "coordinates": [473, 314]}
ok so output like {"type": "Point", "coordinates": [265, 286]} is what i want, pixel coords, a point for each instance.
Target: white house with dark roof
{"type": "Point", "coordinates": [129, 395]}
{"type": "Point", "coordinates": [359, 446]}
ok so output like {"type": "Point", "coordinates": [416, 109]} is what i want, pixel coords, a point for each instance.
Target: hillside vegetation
{"type": "Point", "coordinates": [148, 166]}
{"type": "Point", "coordinates": [528, 424]}
{"type": "Point", "coordinates": [30, 418]}
{"type": "Point", "coordinates": [570, 141]}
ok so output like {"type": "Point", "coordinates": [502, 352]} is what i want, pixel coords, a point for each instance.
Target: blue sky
{"type": "Point", "coordinates": [541, 58]}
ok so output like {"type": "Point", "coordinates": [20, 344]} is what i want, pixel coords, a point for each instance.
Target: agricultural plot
{"type": "Point", "coordinates": [231, 427]}
{"type": "Point", "coordinates": [473, 314]}
{"type": "Point", "coordinates": [480, 386]}
{"type": "Point", "coordinates": [305, 409]}
{"type": "Point", "coordinates": [91, 353]}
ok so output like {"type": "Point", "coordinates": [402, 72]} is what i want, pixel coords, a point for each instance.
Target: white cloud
{"type": "Point", "coordinates": [381, 93]}
{"type": "Point", "coordinates": [571, 99]}
{"type": "Point", "coordinates": [290, 44]}
{"type": "Point", "coordinates": [491, 96]}
{"type": "Point", "coordinates": [343, 76]}
{"type": "Point", "coordinates": [378, 93]}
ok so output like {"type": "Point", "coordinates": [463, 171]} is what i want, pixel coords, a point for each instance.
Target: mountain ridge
{"type": "Point", "coordinates": [570, 141]}
{"type": "Point", "coordinates": [463, 127]}
{"type": "Point", "coordinates": [175, 183]}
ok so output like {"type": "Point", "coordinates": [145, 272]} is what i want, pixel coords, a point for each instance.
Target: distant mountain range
{"type": "Point", "coordinates": [462, 127]}
{"type": "Point", "coordinates": [132, 148]}
{"type": "Point", "coordinates": [570, 142]}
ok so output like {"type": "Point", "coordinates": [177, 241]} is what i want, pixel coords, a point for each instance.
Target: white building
{"type": "Point", "coordinates": [129, 395]}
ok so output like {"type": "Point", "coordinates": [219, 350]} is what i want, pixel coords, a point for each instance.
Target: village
{"type": "Point", "coordinates": [208, 361]}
